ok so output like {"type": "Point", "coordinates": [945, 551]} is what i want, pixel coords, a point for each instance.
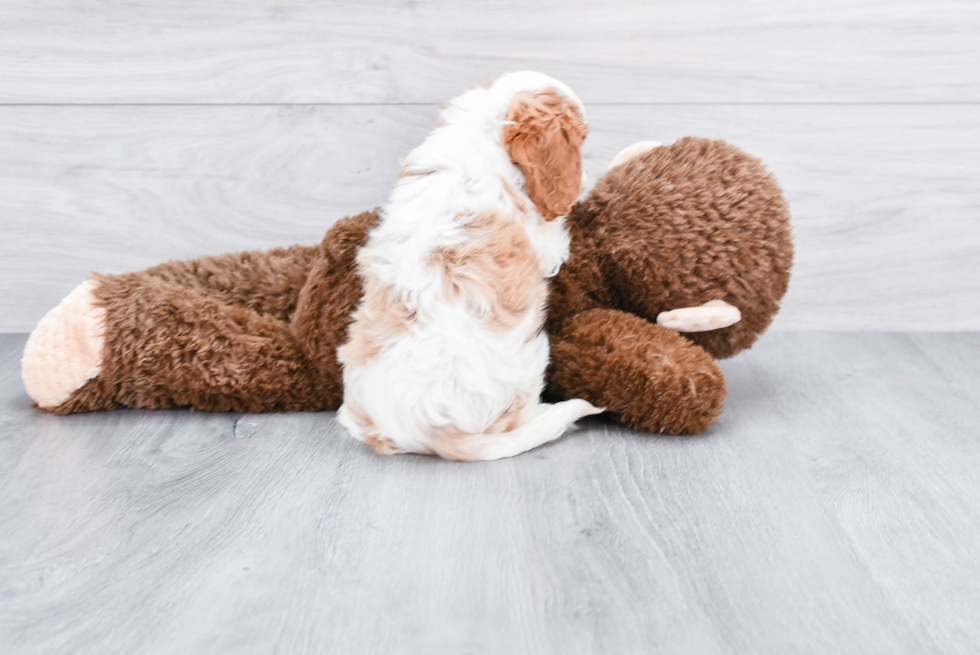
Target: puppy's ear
{"type": "Point", "coordinates": [544, 137]}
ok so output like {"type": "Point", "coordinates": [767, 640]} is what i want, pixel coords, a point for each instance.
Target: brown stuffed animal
{"type": "Point", "coordinates": [694, 235]}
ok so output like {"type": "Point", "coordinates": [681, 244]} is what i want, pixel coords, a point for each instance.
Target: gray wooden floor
{"type": "Point", "coordinates": [835, 508]}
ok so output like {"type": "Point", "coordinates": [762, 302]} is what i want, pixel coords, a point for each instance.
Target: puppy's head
{"type": "Point", "coordinates": [543, 135]}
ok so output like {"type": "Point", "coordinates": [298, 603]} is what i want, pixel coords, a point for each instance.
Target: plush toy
{"type": "Point", "coordinates": [690, 236]}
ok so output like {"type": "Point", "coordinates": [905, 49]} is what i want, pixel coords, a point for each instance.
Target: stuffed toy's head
{"type": "Point", "coordinates": [684, 224]}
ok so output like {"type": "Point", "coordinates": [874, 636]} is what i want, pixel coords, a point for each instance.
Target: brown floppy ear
{"type": "Point", "coordinates": [544, 138]}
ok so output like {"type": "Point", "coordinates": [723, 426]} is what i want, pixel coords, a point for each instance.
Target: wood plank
{"type": "Point", "coordinates": [885, 198]}
{"type": "Point", "coordinates": [307, 51]}
{"type": "Point", "coordinates": [886, 426]}
{"type": "Point", "coordinates": [832, 509]}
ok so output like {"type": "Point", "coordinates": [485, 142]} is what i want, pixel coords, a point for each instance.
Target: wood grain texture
{"type": "Point", "coordinates": [886, 200]}
{"type": "Point", "coordinates": [305, 51]}
{"type": "Point", "coordinates": [833, 509]}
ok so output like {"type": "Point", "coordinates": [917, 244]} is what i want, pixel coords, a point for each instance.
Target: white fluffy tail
{"type": "Point", "coordinates": [548, 424]}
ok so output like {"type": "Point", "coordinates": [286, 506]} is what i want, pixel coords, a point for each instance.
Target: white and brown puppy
{"type": "Point", "coordinates": [446, 354]}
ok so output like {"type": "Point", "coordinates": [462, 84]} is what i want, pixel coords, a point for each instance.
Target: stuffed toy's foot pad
{"type": "Point", "coordinates": [712, 315]}
{"type": "Point", "coordinates": [65, 349]}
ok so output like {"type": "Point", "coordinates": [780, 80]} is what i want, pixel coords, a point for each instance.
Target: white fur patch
{"type": "Point", "coordinates": [65, 349]}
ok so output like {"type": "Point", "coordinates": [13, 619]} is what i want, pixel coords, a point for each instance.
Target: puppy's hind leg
{"type": "Point", "coordinates": [360, 427]}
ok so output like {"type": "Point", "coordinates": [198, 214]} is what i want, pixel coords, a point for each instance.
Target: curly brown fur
{"type": "Point", "coordinates": [694, 221]}
{"type": "Point", "coordinates": [651, 376]}
{"type": "Point", "coordinates": [544, 137]}
{"type": "Point", "coordinates": [212, 333]}
{"type": "Point", "coordinates": [168, 346]}
{"type": "Point", "coordinates": [683, 224]}
{"type": "Point", "coordinates": [327, 302]}
{"type": "Point", "coordinates": [267, 282]}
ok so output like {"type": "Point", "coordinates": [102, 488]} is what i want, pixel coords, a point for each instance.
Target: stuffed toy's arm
{"type": "Point", "coordinates": [654, 378]}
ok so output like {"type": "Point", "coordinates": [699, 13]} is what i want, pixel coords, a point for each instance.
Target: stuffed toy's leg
{"type": "Point", "coordinates": [64, 351]}
{"type": "Point", "coordinates": [210, 333]}
{"type": "Point", "coordinates": [265, 281]}
{"type": "Point", "coordinates": [653, 377]}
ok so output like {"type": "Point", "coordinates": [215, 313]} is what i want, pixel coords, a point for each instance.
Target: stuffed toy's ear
{"type": "Point", "coordinates": [544, 137]}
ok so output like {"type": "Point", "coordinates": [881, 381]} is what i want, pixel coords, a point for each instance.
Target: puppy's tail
{"type": "Point", "coordinates": [549, 423]}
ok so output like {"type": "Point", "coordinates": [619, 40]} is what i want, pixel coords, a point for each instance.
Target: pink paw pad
{"type": "Point", "coordinates": [65, 349]}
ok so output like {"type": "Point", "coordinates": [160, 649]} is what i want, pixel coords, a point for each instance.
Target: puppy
{"type": "Point", "coordinates": [446, 354]}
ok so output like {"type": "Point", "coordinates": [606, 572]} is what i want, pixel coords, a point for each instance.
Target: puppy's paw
{"type": "Point", "coordinates": [633, 151]}
{"type": "Point", "coordinates": [65, 349]}
{"type": "Point", "coordinates": [709, 316]}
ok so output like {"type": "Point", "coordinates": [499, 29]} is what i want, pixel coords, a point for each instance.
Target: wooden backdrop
{"type": "Point", "coordinates": [136, 132]}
